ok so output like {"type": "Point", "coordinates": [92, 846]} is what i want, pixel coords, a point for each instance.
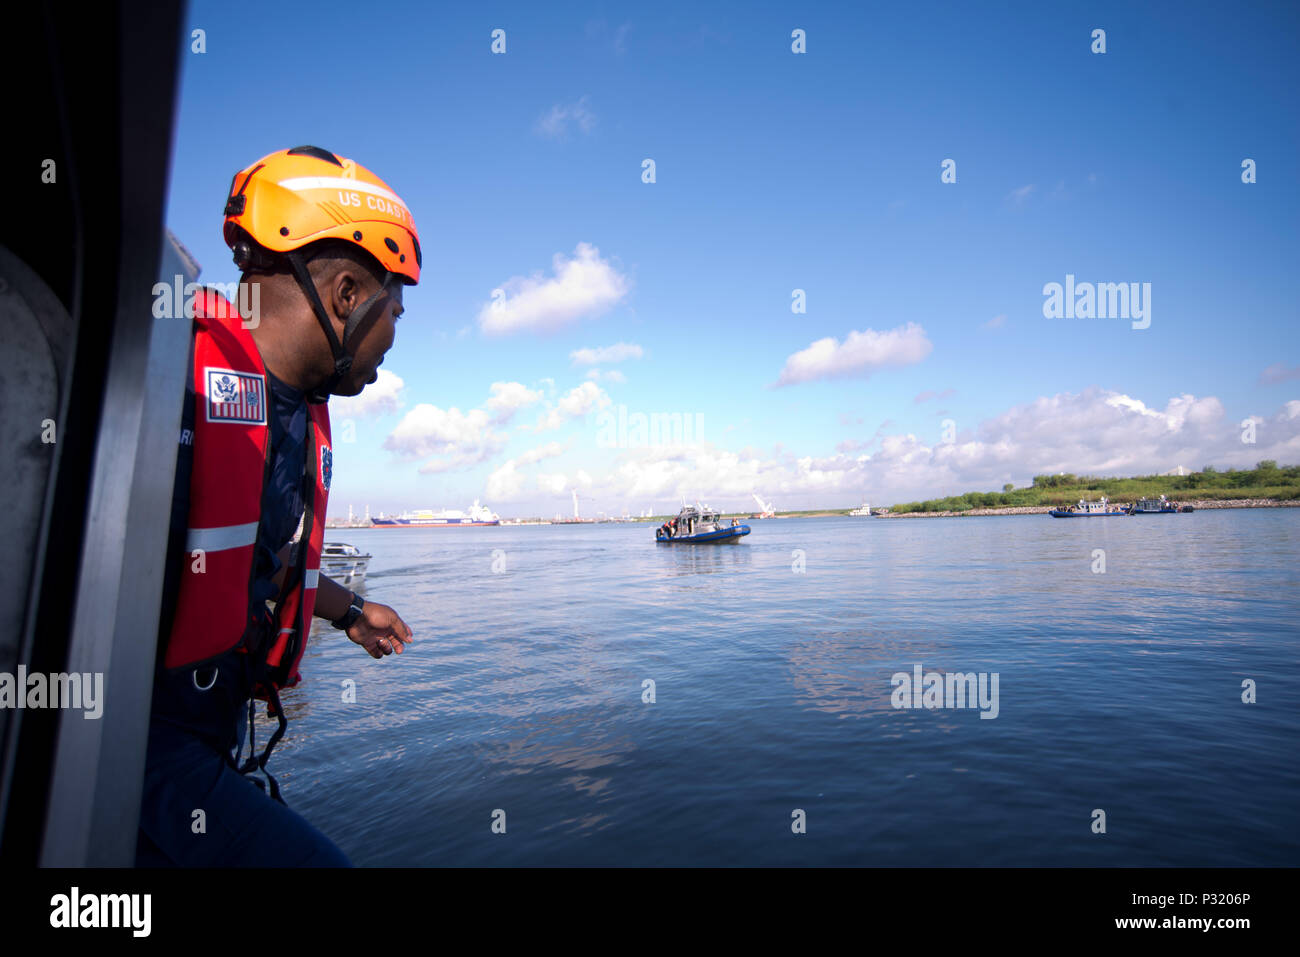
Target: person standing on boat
{"type": "Point", "coordinates": [327, 248]}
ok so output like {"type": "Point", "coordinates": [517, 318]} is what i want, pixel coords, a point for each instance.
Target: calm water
{"type": "Point", "coordinates": [523, 692]}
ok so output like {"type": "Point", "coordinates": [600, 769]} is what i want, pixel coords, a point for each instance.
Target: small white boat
{"type": "Point", "coordinates": [864, 510]}
{"type": "Point", "coordinates": [345, 564]}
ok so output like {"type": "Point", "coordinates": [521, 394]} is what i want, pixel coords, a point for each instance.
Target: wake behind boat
{"type": "Point", "coordinates": [699, 525]}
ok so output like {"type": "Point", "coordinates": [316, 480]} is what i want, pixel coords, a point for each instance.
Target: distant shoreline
{"type": "Point", "coordinates": [1197, 504]}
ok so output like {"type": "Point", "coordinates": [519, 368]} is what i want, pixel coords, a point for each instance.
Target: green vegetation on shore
{"type": "Point", "coordinates": [1266, 480]}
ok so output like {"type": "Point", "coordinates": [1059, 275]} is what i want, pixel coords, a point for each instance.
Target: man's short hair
{"type": "Point", "coordinates": [318, 256]}
{"type": "Point", "coordinates": [321, 254]}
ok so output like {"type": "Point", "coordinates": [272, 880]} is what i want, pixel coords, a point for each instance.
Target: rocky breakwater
{"type": "Point", "coordinates": [1198, 504]}
{"type": "Point", "coordinates": [1242, 503]}
{"type": "Point", "coordinates": [1007, 510]}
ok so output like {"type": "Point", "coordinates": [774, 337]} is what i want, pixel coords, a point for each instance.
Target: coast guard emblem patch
{"type": "Point", "coordinates": [235, 396]}
{"type": "Point", "coordinates": [326, 466]}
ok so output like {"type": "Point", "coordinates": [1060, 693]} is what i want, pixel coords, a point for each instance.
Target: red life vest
{"type": "Point", "coordinates": [214, 612]}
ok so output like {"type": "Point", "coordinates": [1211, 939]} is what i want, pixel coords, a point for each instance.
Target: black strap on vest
{"type": "Point", "coordinates": [294, 578]}
{"type": "Point", "coordinates": [256, 762]}
{"type": "Point", "coordinates": [342, 358]}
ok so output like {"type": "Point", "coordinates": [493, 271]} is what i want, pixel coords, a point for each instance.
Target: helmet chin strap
{"type": "Point", "coordinates": [342, 358]}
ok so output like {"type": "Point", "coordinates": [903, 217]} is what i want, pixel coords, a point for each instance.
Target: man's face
{"type": "Point", "coordinates": [372, 339]}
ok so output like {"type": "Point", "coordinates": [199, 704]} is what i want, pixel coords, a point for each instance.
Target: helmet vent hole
{"type": "Point", "coordinates": [284, 230]}
{"type": "Point", "coordinates": [402, 258]}
{"type": "Point", "coordinates": [392, 246]}
{"type": "Point", "coordinates": [357, 235]}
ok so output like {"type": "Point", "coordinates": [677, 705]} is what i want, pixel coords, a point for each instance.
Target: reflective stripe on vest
{"type": "Point", "coordinates": [219, 539]}
{"type": "Point", "coordinates": [214, 611]}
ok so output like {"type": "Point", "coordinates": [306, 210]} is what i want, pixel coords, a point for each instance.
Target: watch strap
{"type": "Point", "coordinates": [352, 614]}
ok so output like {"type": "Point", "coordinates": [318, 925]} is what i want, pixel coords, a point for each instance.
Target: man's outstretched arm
{"type": "Point", "coordinates": [379, 629]}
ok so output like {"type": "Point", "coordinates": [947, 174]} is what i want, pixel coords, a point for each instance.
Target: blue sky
{"type": "Point", "coordinates": [778, 171]}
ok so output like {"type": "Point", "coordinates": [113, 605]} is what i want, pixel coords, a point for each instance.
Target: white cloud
{"type": "Point", "coordinates": [1278, 372]}
{"type": "Point", "coordinates": [620, 35]}
{"type": "Point", "coordinates": [1096, 432]}
{"type": "Point", "coordinates": [618, 352]}
{"type": "Point", "coordinates": [600, 30]}
{"type": "Point", "coordinates": [548, 451]}
{"type": "Point", "coordinates": [457, 463]}
{"type": "Point", "coordinates": [861, 354]}
{"type": "Point", "coordinates": [555, 123]}
{"type": "Point", "coordinates": [462, 438]}
{"type": "Point", "coordinates": [705, 472]}
{"type": "Point", "coordinates": [506, 483]}
{"type": "Point", "coordinates": [576, 404]}
{"type": "Point", "coordinates": [552, 483]}
{"type": "Point", "coordinates": [508, 398]}
{"type": "Point", "coordinates": [613, 375]}
{"type": "Point", "coordinates": [382, 396]}
{"type": "Point", "coordinates": [1133, 405]}
{"type": "Point", "coordinates": [1020, 193]}
{"type": "Point", "coordinates": [997, 322]}
{"type": "Point", "coordinates": [582, 286]}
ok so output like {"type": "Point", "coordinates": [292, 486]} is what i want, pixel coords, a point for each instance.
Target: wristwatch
{"type": "Point", "coordinates": [352, 614]}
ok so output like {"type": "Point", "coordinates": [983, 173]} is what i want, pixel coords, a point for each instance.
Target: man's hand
{"type": "Point", "coordinates": [380, 630]}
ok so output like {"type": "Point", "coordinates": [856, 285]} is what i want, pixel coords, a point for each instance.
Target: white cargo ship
{"type": "Point", "coordinates": [476, 514]}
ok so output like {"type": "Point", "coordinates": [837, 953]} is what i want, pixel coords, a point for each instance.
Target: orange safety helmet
{"type": "Point", "coordinates": [297, 197]}
{"type": "Point", "coordinates": [294, 197]}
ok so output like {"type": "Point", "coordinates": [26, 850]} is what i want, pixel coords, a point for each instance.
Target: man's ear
{"type": "Point", "coordinates": [344, 293]}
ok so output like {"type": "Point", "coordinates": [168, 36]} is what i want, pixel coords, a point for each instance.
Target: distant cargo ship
{"type": "Point", "coordinates": [427, 518]}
